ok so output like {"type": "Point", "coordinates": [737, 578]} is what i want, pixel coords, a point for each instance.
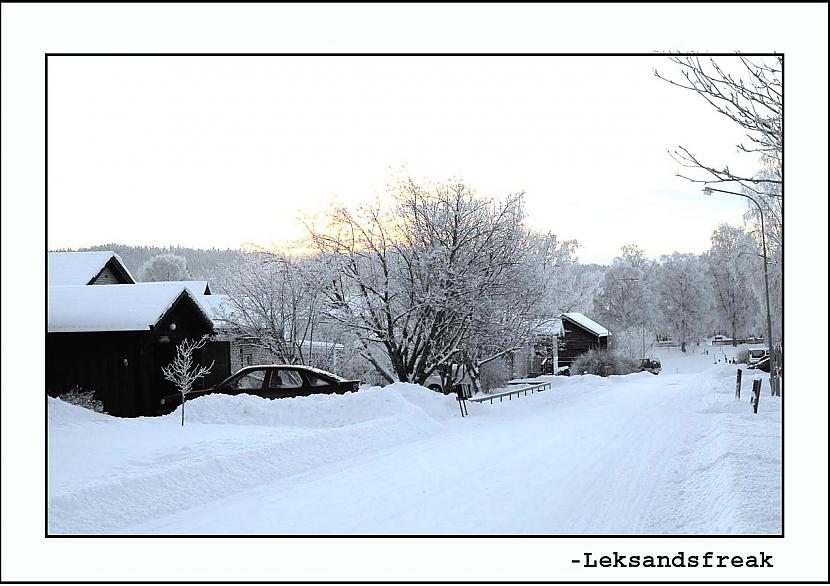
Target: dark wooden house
{"type": "Point", "coordinates": [115, 339]}
{"type": "Point", "coordinates": [579, 334]}
{"type": "Point", "coordinates": [87, 268]}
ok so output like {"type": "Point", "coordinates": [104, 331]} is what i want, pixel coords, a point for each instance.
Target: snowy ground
{"type": "Point", "coordinates": [696, 358]}
{"type": "Point", "coordinates": [639, 454]}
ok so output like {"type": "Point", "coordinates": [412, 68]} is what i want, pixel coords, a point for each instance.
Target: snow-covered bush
{"type": "Point", "coordinates": [603, 362]}
{"type": "Point", "coordinates": [85, 399]}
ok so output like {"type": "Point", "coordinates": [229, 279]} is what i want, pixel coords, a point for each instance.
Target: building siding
{"type": "Point", "coordinates": [577, 341]}
{"type": "Point", "coordinates": [107, 277]}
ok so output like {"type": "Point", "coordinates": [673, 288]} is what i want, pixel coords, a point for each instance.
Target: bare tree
{"type": "Point", "coordinates": [182, 372]}
{"type": "Point", "coordinates": [749, 92]}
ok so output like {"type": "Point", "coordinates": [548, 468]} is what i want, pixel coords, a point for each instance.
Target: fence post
{"type": "Point", "coordinates": [738, 385]}
{"type": "Point", "coordinates": [462, 401]}
{"type": "Point", "coordinates": [756, 394]}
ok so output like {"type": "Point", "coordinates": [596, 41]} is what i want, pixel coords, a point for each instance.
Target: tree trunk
{"type": "Point", "coordinates": [474, 374]}
{"type": "Point", "coordinates": [183, 400]}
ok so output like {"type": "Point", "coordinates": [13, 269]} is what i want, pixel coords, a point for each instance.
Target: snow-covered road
{"type": "Point", "coordinates": [639, 454]}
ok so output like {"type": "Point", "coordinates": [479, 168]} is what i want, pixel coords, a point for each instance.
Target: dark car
{"type": "Point", "coordinates": [650, 365]}
{"type": "Point", "coordinates": [274, 381]}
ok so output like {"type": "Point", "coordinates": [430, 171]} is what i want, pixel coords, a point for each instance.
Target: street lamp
{"type": "Point", "coordinates": [773, 363]}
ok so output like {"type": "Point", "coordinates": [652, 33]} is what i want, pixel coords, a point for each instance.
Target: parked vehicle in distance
{"type": "Point", "coordinates": [755, 355]}
{"type": "Point", "coordinates": [433, 383]}
{"type": "Point", "coordinates": [271, 381]}
{"type": "Point", "coordinates": [650, 365]}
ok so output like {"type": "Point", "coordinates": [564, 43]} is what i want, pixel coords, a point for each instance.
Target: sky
{"type": "Point", "coordinates": [228, 151]}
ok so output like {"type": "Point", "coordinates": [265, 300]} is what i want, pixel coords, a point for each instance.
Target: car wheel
{"type": "Point", "coordinates": [436, 388]}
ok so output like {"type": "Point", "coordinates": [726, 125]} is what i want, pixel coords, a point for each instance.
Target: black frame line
{"type": "Point", "coordinates": [382, 536]}
{"type": "Point", "coordinates": [424, 54]}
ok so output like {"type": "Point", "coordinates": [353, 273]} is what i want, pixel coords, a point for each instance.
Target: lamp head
{"type": "Point", "coordinates": [707, 190]}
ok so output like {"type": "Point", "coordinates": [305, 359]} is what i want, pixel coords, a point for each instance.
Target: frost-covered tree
{"type": "Point", "coordinates": [415, 279]}
{"type": "Point", "coordinates": [682, 297]}
{"type": "Point", "coordinates": [527, 301]}
{"type": "Point", "coordinates": [182, 372]}
{"type": "Point", "coordinates": [275, 299]}
{"type": "Point", "coordinates": [164, 267]}
{"type": "Point", "coordinates": [625, 300]}
{"type": "Point", "coordinates": [733, 263]}
{"type": "Point", "coordinates": [575, 286]}
{"type": "Point", "coordinates": [771, 204]}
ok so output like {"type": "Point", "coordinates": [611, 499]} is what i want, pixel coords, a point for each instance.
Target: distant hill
{"type": "Point", "coordinates": [201, 263]}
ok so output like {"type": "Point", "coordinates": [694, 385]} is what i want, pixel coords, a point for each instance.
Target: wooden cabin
{"type": "Point", "coordinates": [579, 334]}
{"type": "Point", "coordinates": [114, 341]}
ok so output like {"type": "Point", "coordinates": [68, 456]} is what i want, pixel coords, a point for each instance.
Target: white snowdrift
{"type": "Point", "coordinates": [319, 411]}
{"type": "Point", "coordinates": [105, 472]}
{"type": "Point", "coordinates": [668, 454]}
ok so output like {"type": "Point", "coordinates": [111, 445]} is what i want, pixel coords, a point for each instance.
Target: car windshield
{"type": "Point", "coordinates": [326, 373]}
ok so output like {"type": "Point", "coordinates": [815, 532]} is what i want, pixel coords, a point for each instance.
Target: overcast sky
{"type": "Point", "coordinates": [223, 151]}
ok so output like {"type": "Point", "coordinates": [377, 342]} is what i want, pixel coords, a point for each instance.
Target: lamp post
{"type": "Point", "coordinates": [773, 363]}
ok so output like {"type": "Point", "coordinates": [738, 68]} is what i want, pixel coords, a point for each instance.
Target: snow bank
{"type": "Point", "coordinates": [107, 473]}
{"type": "Point", "coordinates": [634, 454]}
{"type": "Point", "coordinates": [319, 411]}
{"type": "Point", "coordinates": [61, 414]}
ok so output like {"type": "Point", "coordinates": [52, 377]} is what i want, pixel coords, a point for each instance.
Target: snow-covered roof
{"type": "Point", "coordinates": [110, 308]}
{"type": "Point", "coordinates": [587, 323]}
{"type": "Point", "coordinates": [551, 327]}
{"type": "Point", "coordinates": [196, 287]}
{"type": "Point", "coordinates": [217, 307]}
{"type": "Point", "coordinates": [79, 268]}
{"type": "Point", "coordinates": [321, 345]}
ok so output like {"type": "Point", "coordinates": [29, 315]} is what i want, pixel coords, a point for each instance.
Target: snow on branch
{"type": "Point", "coordinates": [182, 372]}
